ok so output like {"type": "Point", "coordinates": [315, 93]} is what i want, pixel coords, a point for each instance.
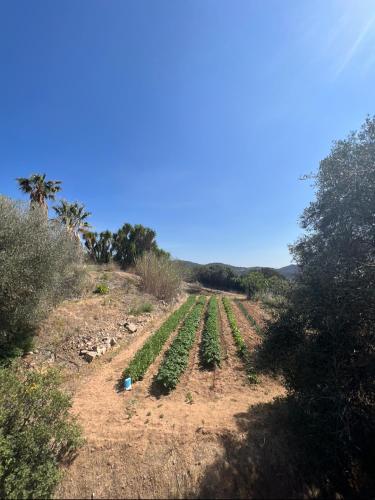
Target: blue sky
{"type": "Point", "coordinates": [195, 118]}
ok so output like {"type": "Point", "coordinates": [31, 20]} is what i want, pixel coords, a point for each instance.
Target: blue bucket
{"type": "Point", "coordinates": [128, 384]}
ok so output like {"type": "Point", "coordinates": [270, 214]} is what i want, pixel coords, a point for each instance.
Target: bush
{"type": "Point", "coordinates": [323, 341]}
{"type": "Point", "coordinates": [40, 265]}
{"type": "Point", "coordinates": [177, 356]}
{"type": "Point", "coordinates": [36, 433]}
{"type": "Point", "coordinates": [146, 307]}
{"type": "Point", "coordinates": [160, 275]}
{"type": "Point", "coordinates": [211, 355]}
{"type": "Point", "coordinates": [152, 347]}
{"type": "Point", "coordinates": [102, 289]}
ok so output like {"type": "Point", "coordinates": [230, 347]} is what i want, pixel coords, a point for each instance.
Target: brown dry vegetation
{"type": "Point", "coordinates": [214, 436]}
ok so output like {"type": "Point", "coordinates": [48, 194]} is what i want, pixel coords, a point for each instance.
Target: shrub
{"type": "Point", "coordinates": [36, 433]}
{"type": "Point", "coordinates": [211, 354]}
{"type": "Point", "coordinates": [177, 356]}
{"type": "Point", "coordinates": [242, 349]}
{"type": "Point", "coordinates": [146, 307]}
{"type": "Point", "coordinates": [40, 265]}
{"type": "Point", "coordinates": [102, 289]}
{"type": "Point", "coordinates": [152, 347]}
{"type": "Point", "coordinates": [160, 275]}
{"type": "Point", "coordinates": [323, 341]}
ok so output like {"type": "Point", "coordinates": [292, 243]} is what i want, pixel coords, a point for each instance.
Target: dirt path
{"type": "Point", "coordinates": [142, 445]}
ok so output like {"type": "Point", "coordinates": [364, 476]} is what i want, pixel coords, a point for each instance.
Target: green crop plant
{"type": "Point", "coordinates": [177, 357]}
{"type": "Point", "coordinates": [152, 347]}
{"type": "Point", "coordinates": [210, 347]}
{"type": "Point", "coordinates": [249, 317]}
{"type": "Point", "coordinates": [242, 349]}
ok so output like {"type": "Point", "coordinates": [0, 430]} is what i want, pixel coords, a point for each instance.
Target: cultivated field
{"type": "Point", "coordinates": [195, 424]}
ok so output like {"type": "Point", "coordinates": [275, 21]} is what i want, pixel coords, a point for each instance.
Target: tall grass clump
{"type": "Point", "coordinates": [160, 276]}
{"type": "Point", "coordinates": [40, 265]}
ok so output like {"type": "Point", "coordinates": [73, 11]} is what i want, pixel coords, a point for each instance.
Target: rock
{"type": "Point", "coordinates": [113, 341]}
{"type": "Point", "coordinates": [90, 356]}
{"type": "Point", "coordinates": [131, 327]}
{"type": "Point", "coordinates": [99, 350]}
{"type": "Point", "coordinates": [82, 352]}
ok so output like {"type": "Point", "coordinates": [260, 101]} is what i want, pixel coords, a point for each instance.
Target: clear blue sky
{"type": "Point", "coordinates": [195, 118]}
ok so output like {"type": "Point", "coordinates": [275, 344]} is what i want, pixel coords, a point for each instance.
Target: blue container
{"type": "Point", "coordinates": [128, 384]}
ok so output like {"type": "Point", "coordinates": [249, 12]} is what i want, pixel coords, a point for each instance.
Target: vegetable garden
{"type": "Point", "coordinates": [185, 324]}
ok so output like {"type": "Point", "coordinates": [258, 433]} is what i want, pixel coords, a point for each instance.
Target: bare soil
{"type": "Point", "coordinates": [211, 437]}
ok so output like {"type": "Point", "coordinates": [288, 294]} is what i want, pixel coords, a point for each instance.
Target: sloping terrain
{"type": "Point", "coordinates": [143, 444]}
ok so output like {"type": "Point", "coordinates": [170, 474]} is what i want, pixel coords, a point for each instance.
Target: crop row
{"type": "Point", "coordinates": [147, 354]}
{"type": "Point", "coordinates": [249, 317]}
{"type": "Point", "coordinates": [242, 349]}
{"type": "Point", "coordinates": [177, 356]}
{"type": "Point", "coordinates": [210, 347]}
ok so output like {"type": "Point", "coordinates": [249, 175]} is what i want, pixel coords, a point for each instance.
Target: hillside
{"type": "Point", "coordinates": [288, 272]}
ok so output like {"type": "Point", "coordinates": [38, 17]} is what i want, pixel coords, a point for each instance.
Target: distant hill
{"type": "Point", "coordinates": [289, 272]}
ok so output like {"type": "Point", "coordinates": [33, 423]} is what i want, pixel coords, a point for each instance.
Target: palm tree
{"type": "Point", "coordinates": [73, 216]}
{"type": "Point", "coordinates": [39, 189]}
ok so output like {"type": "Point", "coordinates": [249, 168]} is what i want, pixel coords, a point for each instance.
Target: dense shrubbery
{"type": "Point", "coordinates": [177, 356]}
{"type": "Point", "coordinates": [152, 347]}
{"type": "Point", "coordinates": [160, 275]}
{"type": "Point", "coordinates": [40, 265]}
{"type": "Point", "coordinates": [36, 433]}
{"type": "Point", "coordinates": [210, 349]}
{"type": "Point", "coordinates": [253, 283]}
{"type": "Point", "coordinates": [242, 349]}
{"type": "Point", "coordinates": [324, 339]}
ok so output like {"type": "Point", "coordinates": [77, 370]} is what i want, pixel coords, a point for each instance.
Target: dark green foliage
{"type": "Point", "coordinates": [210, 349]}
{"type": "Point", "coordinates": [40, 265]}
{"type": "Point", "coordinates": [324, 339]}
{"type": "Point", "coordinates": [99, 246]}
{"type": "Point", "coordinates": [177, 356]}
{"type": "Point", "coordinates": [39, 189]}
{"type": "Point", "coordinates": [36, 433]}
{"type": "Point", "coordinates": [242, 349]}
{"type": "Point", "coordinates": [249, 317]}
{"type": "Point", "coordinates": [73, 216]}
{"type": "Point", "coordinates": [152, 347]}
{"type": "Point", "coordinates": [218, 276]}
{"type": "Point", "coordinates": [102, 289]}
{"type": "Point", "coordinates": [249, 281]}
{"type": "Point", "coordinates": [131, 242]}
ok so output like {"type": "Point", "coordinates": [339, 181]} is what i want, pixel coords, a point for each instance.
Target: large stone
{"type": "Point", "coordinates": [113, 341]}
{"type": "Point", "coordinates": [90, 356]}
{"type": "Point", "coordinates": [131, 327]}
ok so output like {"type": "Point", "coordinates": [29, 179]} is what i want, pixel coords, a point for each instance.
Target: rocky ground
{"type": "Point", "coordinates": [81, 330]}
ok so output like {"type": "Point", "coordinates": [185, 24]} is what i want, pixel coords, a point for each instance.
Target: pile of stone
{"type": "Point", "coordinates": [92, 352]}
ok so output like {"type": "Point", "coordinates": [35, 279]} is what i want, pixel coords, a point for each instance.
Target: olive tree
{"type": "Point", "coordinates": [40, 265]}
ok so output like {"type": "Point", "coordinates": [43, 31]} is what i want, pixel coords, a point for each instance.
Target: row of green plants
{"type": "Point", "coordinates": [242, 349]}
{"type": "Point", "coordinates": [152, 347]}
{"type": "Point", "coordinates": [249, 317]}
{"type": "Point", "coordinates": [177, 357]}
{"type": "Point", "coordinates": [210, 348]}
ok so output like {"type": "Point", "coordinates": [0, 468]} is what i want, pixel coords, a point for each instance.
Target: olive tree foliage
{"type": "Point", "coordinates": [324, 340]}
{"type": "Point", "coordinates": [40, 265]}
